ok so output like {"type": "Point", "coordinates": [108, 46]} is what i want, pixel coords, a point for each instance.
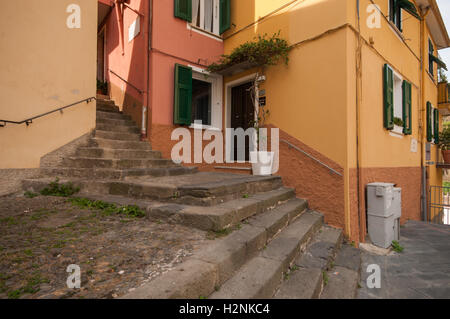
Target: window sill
{"type": "Point", "coordinates": [397, 131]}
{"type": "Point", "coordinates": [204, 32]}
{"type": "Point", "coordinates": [204, 127]}
{"type": "Point", "coordinates": [396, 30]}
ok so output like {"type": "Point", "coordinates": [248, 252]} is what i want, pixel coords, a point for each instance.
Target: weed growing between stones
{"type": "Point", "coordinates": [59, 190]}
{"type": "Point", "coordinates": [396, 246]}
{"type": "Point", "coordinates": [108, 208]}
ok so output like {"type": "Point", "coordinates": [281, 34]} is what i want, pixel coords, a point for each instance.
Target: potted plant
{"type": "Point", "coordinates": [263, 52]}
{"type": "Point", "coordinates": [444, 143]}
{"type": "Point", "coordinates": [262, 161]}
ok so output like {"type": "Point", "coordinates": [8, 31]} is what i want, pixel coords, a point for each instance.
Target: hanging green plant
{"type": "Point", "coordinates": [264, 51]}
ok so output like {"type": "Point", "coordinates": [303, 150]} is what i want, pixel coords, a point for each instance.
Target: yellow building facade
{"type": "Point", "coordinates": [330, 99]}
{"type": "Point", "coordinates": [48, 60]}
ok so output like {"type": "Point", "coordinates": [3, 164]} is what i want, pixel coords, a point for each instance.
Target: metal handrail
{"type": "Point", "coordinates": [30, 120]}
{"type": "Point", "coordinates": [311, 157]}
{"type": "Point", "coordinates": [133, 86]}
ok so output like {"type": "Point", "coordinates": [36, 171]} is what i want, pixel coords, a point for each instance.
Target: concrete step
{"type": "Point", "coordinates": [115, 122]}
{"type": "Point", "coordinates": [98, 152]}
{"type": "Point", "coordinates": [278, 203]}
{"type": "Point", "coordinates": [121, 136]}
{"type": "Point", "coordinates": [343, 278]}
{"type": "Point", "coordinates": [305, 278]}
{"type": "Point", "coordinates": [114, 174]}
{"type": "Point", "coordinates": [118, 144]}
{"type": "Point", "coordinates": [118, 128]}
{"type": "Point", "coordinates": [87, 162]}
{"type": "Point", "coordinates": [211, 267]}
{"type": "Point", "coordinates": [260, 277]}
{"type": "Point", "coordinates": [202, 189]}
{"type": "Point", "coordinates": [112, 115]}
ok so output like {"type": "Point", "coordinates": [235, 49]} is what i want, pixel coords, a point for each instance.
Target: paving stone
{"type": "Point", "coordinates": [342, 284]}
{"type": "Point", "coordinates": [349, 257]}
{"type": "Point", "coordinates": [301, 284]}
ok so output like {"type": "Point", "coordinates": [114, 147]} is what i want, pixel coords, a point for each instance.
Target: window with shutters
{"type": "Point", "coordinates": [212, 16]}
{"type": "Point", "coordinates": [433, 120]}
{"type": "Point", "coordinates": [397, 102]}
{"type": "Point", "coordinates": [430, 53]}
{"type": "Point", "coordinates": [197, 97]}
{"type": "Point", "coordinates": [395, 14]}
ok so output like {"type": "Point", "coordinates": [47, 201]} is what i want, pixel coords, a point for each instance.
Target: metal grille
{"type": "Point", "coordinates": [439, 205]}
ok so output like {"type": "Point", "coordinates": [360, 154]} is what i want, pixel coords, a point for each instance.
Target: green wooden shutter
{"type": "Point", "coordinates": [225, 15]}
{"type": "Point", "coordinates": [429, 124]}
{"type": "Point", "coordinates": [388, 114]}
{"type": "Point", "coordinates": [407, 122]}
{"type": "Point", "coordinates": [436, 126]}
{"type": "Point", "coordinates": [183, 9]}
{"type": "Point", "coordinates": [182, 109]}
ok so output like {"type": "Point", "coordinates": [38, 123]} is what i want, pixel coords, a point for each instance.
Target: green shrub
{"type": "Point", "coordinates": [263, 51]}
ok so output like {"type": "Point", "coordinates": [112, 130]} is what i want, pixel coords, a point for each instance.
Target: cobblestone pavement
{"type": "Point", "coordinates": [41, 236]}
{"type": "Point", "coordinates": [422, 270]}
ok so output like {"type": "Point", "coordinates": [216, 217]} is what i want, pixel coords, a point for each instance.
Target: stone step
{"type": "Point", "coordinates": [260, 277]}
{"type": "Point", "coordinates": [277, 203]}
{"type": "Point", "coordinates": [343, 278]}
{"type": "Point", "coordinates": [114, 174]}
{"type": "Point", "coordinates": [121, 136]}
{"type": "Point", "coordinates": [87, 162]}
{"type": "Point", "coordinates": [107, 108]}
{"type": "Point", "coordinates": [105, 101]}
{"type": "Point", "coordinates": [112, 115]}
{"type": "Point", "coordinates": [98, 152]}
{"type": "Point", "coordinates": [118, 128]}
{"type": "Point", "coordinates": [202, 189]}
{"type": "Point", "coordinates": [115, 122]}
{"type": "Point", "coordinates": [305, 278]}
{"type": "Point", "coordinates": [118, 144]}
{"type": "Point", "coordinates": [209, 268]}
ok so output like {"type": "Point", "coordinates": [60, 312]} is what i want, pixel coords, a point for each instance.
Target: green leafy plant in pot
{"type": "Point", "coordinates": [444, 143]}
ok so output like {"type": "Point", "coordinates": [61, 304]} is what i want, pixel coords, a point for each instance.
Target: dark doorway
{"type": "Point", "coordinates": [242, 115]}
{"type": "Point", "coordinates": [101, 56]}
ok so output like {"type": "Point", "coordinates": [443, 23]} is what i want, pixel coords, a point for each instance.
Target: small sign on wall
{"type": "Point", "coordinates": [134, 29]}
{"type": "Point", "coordinates": [413, 145]}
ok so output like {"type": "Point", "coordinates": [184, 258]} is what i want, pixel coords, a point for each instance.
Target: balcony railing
{"type": "Point", "coordinates": [443, 93]}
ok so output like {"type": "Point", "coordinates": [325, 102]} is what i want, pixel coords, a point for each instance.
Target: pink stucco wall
{"type": "Point", "coordinates": [171, 41]}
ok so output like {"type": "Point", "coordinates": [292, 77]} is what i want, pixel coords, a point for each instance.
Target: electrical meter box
{"type": "Point", "coordinates": [383, 213]}
{"type": "Point", "coordinates": [380, 197]}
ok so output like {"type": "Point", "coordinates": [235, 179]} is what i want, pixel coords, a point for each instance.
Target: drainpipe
{"type": "Point", "coordinates": [147, 34]}
{"type": "Point", "coordinates": [119, 11]}
{"type": "Point", "coordinates": [422, 112]}
{"type": "Point", "coordinates": [358, 122]}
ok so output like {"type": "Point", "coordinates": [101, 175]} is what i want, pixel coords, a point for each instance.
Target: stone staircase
{"type": "Point", "coordinates": [275, 246]}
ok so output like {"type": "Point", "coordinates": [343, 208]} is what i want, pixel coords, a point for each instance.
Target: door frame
{"type": "Point", "coordinates": [227, 111]}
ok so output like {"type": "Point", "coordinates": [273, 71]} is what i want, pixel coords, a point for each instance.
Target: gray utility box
{"type": "Point", "coordinates": [383, 213]}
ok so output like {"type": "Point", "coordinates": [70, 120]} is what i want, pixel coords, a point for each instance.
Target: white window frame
{"type": "Point", "coordinates": [216, 19]}
{"type": "Point", "coordinates": [216, 81]}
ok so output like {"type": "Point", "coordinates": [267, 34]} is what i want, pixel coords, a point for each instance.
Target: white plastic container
{"type": "Point", "coordinates": [262, 163]}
